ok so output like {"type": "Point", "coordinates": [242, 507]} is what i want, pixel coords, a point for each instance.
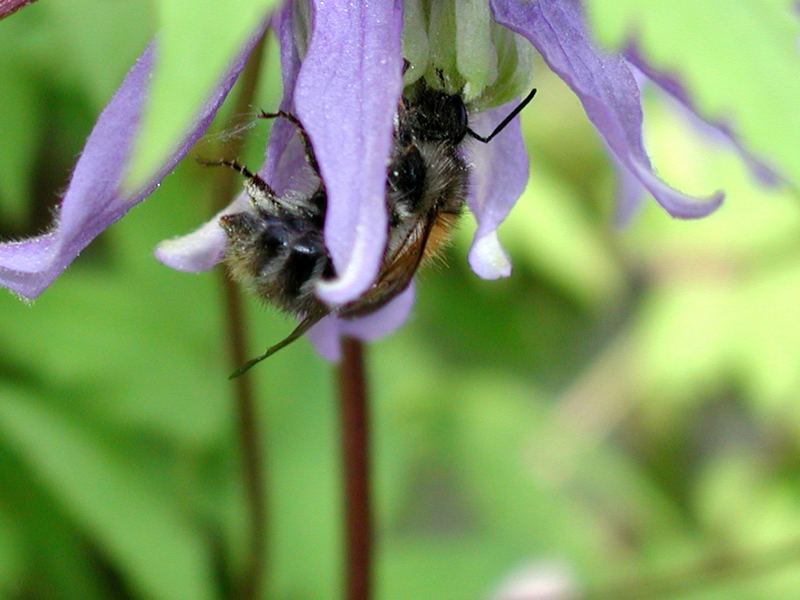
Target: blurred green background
{"type": "Point", "coordinates": [625, 404]}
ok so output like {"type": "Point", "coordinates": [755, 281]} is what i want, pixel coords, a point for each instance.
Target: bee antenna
{"type": "Point", "coordinates": [505, 121]}
{"type": "Point", "coordinates": [297, 333]}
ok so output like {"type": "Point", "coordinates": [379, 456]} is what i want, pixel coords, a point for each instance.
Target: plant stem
{"type": "Point", "coordinates": [251, 584]}
{"type": "Point", "coordinates": [355, 451]}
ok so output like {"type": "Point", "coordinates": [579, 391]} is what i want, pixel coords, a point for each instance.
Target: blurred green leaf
{"type": "Point", "coordinates": [149, 538]}
{"type": "Point", "coordinates": [57, 562]}
{"type": "Point", "coordinates": [11, 559]}
{"type": "Point", "coordinates": [95, 43]}
{"type": "Point", "coordinates": [195, 47]}
{"type": "Point", "coordinates": [549, 229]}
{"type": "Point", "coordinates": [21, 123]}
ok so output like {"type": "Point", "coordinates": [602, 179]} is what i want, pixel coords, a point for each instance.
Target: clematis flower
{"type": "Point", "coordinates": [342, 73]}
{"type": "Point", "coordinates": [715, 130]}
{"type": "Point", "coordinates": [9, 6]}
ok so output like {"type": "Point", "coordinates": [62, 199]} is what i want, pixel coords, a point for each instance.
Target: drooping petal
{"type": "Point", "coordinates": [630, 193]}
{"type": "Point", "coordinates": [205, 247]}
{"type": "Point", "coordinates": [346, 96]}
{"type": "Point", "coordinates": [498, 178]}
{"type": "Point", "coordinates": [711, 128]}
{"type": "Point", "coordinates": [95, 199]}
{"type": "Point", "coordinates": [605, 86]}
{"type": "Point", "coordinates": [326, 335]}
{"type": "Point", "coordinates": [9, 6]}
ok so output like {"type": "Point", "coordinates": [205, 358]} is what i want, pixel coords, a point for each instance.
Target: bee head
{"type": "Point", "coordinates": [239, 226]}
{"type": "Point", "coordinates": [438, 116]}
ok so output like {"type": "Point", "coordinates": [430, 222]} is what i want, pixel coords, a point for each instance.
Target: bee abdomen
{"type": "Point", "coordinates": [304, 261]}
{"type": "Point", "coordinates": [288, 276]}
{"type": "Point", "coordinates": [280, 258]}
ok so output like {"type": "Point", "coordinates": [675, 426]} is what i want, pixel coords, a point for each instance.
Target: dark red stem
{"type": "Point", "coordinates": [355, 451]}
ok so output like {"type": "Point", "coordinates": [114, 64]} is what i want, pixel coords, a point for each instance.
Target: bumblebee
{"type": "Point", "coordinates": [277, 247]}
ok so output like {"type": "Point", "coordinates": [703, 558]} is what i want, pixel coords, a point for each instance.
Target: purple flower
{"type": "Point", "coordinates": [9, 6]}
{"type": "Point", "coordinates": [342, 73]}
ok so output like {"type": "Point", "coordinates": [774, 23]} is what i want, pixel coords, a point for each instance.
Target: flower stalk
{"type": "Point", "coordinates": [355, 457]}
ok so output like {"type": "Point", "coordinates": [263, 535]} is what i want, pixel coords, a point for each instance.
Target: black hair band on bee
{"type": "Point", "coordinates": [505, 121]}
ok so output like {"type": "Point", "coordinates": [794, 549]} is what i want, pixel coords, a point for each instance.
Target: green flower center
{"type": "Point", "coordinates": [457, 47]}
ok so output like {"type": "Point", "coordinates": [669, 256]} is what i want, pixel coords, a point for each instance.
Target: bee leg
{"type": "Point", "coordinates": [260, 192]}
{"type": "Point", "coordinates": [297, 333]}
{"type": "Point", "coordinates": [310, 156]}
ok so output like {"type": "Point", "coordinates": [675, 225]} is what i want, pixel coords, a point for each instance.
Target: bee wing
{"type": "Point", "coordinates": [397, 272]}
{"type": "Point", "coordinates": [407, 258]}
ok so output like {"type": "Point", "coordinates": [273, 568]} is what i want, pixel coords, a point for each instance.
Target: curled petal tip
{"type": "Point", "coordinates": [488, 259]}
{"type": "Point", "coordinates": [677, 204]}
{"type": "Point", "coordinates": [192, 253]}
{"type": "Point", "coordinates": [201, 249]}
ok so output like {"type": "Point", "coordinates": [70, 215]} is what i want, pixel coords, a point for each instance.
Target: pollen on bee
{"type": "Point", "coordinates": [440, 235]}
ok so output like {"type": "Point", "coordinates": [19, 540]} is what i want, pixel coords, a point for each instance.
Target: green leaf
{"type": "Point", "coordinates": [195, 48]}
{"type": "Point", "coordinates": [149, 539]}
{"type": "Point", "coordinates": [11, 555]}
{"type": "Point", "coordinates": [57, 560]}
{"type": "Point", "coordinates": [739, 59]}
{"type": "Point", "coordinates": [21, 124]}
{"type": "Point", "coordinates": [94, 43]}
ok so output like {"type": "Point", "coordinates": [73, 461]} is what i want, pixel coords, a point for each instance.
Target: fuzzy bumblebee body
{"type": "Point", "coordinates": [277, 247]}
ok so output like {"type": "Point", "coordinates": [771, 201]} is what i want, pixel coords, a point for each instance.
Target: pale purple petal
{"type": "Point", "coordinates": [285, 154]}
{"type": "Point", "coordinates": [205, 247]}
{"type": "Point", "coordinates": [9, 6]}
{"type": "Point", "coordinates": [498, 178]}
{"type": "Point", "coordinates": [346, 96]}
{"type": "Point", "coordinates": [605, 86]}
{"type": "Point", "coordinates": [713, 129]}
{"type": "Point", "coordinates": [92, 201]}
{"type": "Point", "coordinates": [326, 335]}
{"type": "Point", "coordinates": [630, 193]}
{"type": "Point", "coordinates": [95, 199]}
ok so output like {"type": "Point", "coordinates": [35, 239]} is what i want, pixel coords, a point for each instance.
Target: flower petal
{"type": "Point", "coordinates": [498, 178]}
{"type": "Point", "coordinates": [326, 335]}
{"type": "Point", "coordinates": [605, 86]}
{"type": "Point", "coordinates": [205, 247]}
{"type": "Point", "coordinates": [630, 193]}
{"type": "Point", "coordinates": [94, 199]}
{"type": "Point", "coordinates": [346, 97]}
{"type": "Point", "coordinates": [10, 6]}
{"type": "Point", "coordinates": [711, 128]}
